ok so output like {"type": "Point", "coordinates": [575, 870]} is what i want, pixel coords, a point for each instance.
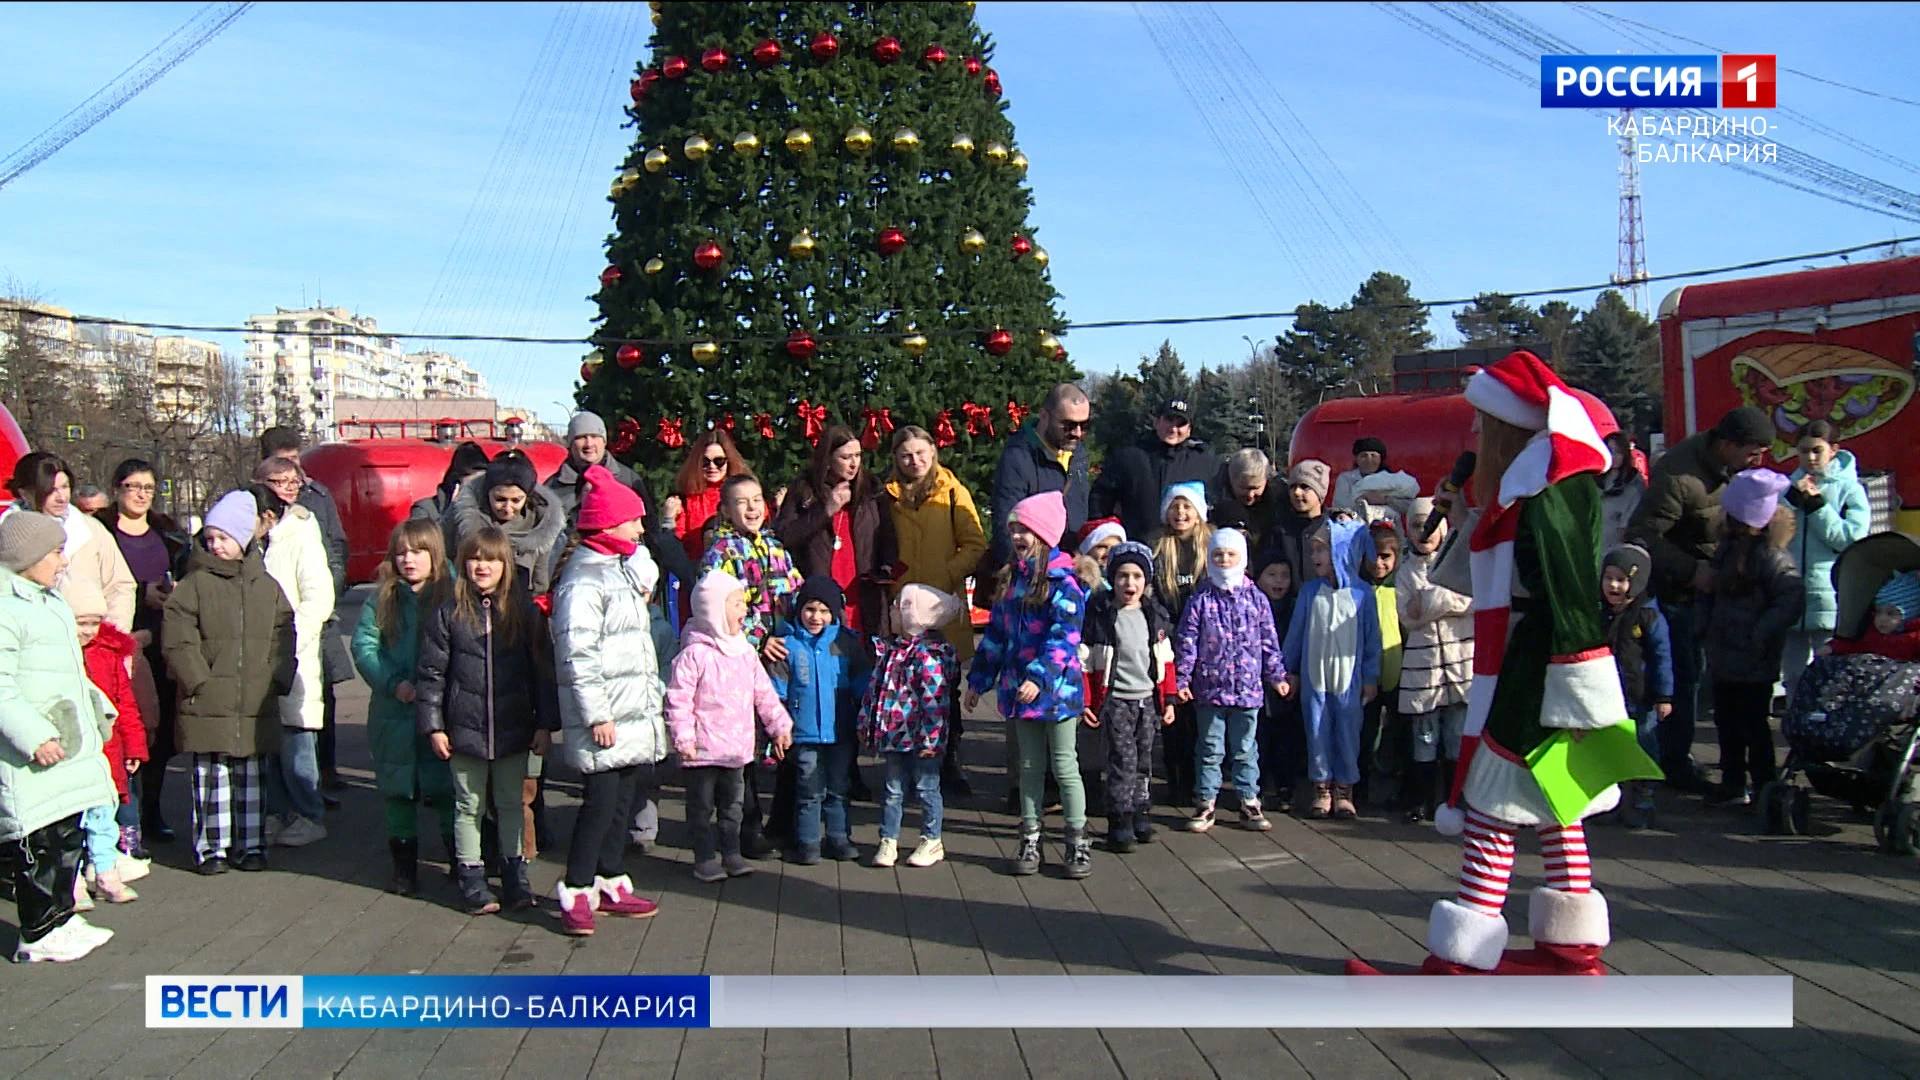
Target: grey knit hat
{"type": "Point", "coordinates": [26, 537]}
{"type": "Point", "coordinates": [586, 423]}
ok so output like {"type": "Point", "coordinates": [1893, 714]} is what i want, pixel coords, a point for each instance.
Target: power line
{"type": "Point", "coordinates": [1104, 324]}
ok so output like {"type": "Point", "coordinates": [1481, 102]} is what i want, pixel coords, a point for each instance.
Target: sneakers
{"type": "Point", "coordinates": [805, 855]}
{"type": "Point", "coordinates": [1254, 819]}
{"type": "Point", "coordinates": [929, 851]}
{"type": "Point", "coordinates": [840, 850]}
{"type": "Point", "coordinates": [1079, 854]}
{"type": "Point", "coordinates": [113, 889]}
{"type": "Point", "coordinates": [576, 908]}
{"type": "Point", "coordinates": [615, 896]}
{"type": "Point", "coordinates": [709, 871]}
{"type": "Point", "coordinates": [299, 833]}
{"type": "Point", "coordinates": [888, 853]}
{"type": "Point", "coordinates": [736, 866]}
{"type": "Point", "coordinates": [69, 941]}
{"type": "Point", "coordinates": [1027, 860]}
{"type": "Point", "coordinates": [1202, 819]}
{"type": "Point", "coordinates": [272, 825]}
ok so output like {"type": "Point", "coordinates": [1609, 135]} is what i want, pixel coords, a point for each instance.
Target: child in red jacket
{"type": "Point", "coordinates": [109, 653]}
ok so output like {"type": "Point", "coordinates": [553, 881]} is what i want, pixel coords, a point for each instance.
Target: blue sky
{"type": "Point", "coordinates": [342, 152]}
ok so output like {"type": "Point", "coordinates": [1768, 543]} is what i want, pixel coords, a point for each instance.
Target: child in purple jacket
{"type": "Point", "coordinates": [1225, 655]}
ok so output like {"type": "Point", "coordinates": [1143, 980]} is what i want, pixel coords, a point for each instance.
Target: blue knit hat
{"type": "Point", "coordinates": [1130, 551]}
{"type": "Point", "coordinates": [1902, 593]}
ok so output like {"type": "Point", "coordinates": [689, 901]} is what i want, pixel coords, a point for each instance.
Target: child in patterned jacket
{"type": "Point", "coordinates": [744, 549]}
{"type": "Point", "coordinates": [1225, 654]}
{"type": "Point", "coordinates": [904, 718]}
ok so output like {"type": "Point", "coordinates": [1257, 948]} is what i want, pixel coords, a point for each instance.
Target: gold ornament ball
{"type": "Point", "coordinates": [859, 140]}
{"type": "Point", "coordinates": [1048, 344]}
{"type": "Point", "coordinates": [962, 145]}
{"type": "Point", "coordinates": [799, 140]}
{"type": "Point", "coordinates": [705, 352]}
{"type": "Point", "coordinates": [656, 160]}
{"type": "Point", "coordinates": [656, 18]}
{"type": "Point", "coordinates": [696, 147]}
{"type": "Point", "coordinates": [802, 246]}
{"type": "Point", "coordinates": [905, 141]}
{"type": "Point", "coordinates": [746, 143]}
{"type": "Point", "coordinates": [1039, 257]}
{"type": "Point", "coordinates": [1019, 162]}
{"type": "Point", "coordinates": [654, 265]}
{"type": "Point", "coordinates": [914, 344]}
{"type": "Point", "coordinates": [996, 153]}
{"type": "Point", "coordinates": [973, 242]}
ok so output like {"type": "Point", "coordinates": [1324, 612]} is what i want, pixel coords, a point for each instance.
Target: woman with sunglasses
{"type": "Point", "coordinates": [712, 460]}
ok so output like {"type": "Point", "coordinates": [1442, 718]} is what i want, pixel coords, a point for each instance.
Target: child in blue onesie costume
{"type": "Point", "coordinates": [1333, 652]}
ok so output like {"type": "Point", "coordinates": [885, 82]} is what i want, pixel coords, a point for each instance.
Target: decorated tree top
{"type": "Point", "coordinates": [822, 219]}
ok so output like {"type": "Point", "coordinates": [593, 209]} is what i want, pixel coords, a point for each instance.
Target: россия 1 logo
{"type": "Point", "coordinates": [1733, 81]}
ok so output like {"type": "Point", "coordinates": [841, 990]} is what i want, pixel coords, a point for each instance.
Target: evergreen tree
{"type": "Point", "coordinates": [824, 204]}
{"type": "Point", "coordinates": [1163, 378]}
{"type": "Point", "coordinates": [1117, 407]}
{"type": "Point", "coordinates": [1493, 319]}
{"type": "Point", "coordinates": [1392, 323]}
{"type": "Point", "coordinates": [1222, 414]}
{"type": "Point", "coordinates": [1615, 355]}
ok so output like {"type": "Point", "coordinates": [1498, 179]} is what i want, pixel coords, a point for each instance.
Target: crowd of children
{"type": "Point", "coordinates": [1340, 654]}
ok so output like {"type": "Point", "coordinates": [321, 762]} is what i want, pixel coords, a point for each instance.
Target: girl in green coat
{"type": "Point", "coordinates": [386, 646]}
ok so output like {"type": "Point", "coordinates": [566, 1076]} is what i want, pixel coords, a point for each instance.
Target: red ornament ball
{"type": "Point", "coordinates": [972, 65]}
{"type": "Point", "coordinates": [891, 240]}
{"type": "Point", "coordinates": [824, 46]}
{"type": "Point", "coordinates": [934, 56]}
{"type": "Point", "coordinates": [887, 50]}
{"type": "Point", "coordinates": [638, 88]}
{"type": "Point", "coordinates": [993, 84]}
{"type": "Point", "coordinates": [767, 53]}
{"type": "Point", "coordinates": [714, 59]}
{"type": "Point", "coordinates": [708, 255]}
{"type": "Point", "coordinates": [1021, 245]}
{"type": "Point", "coordinates": [586, 372]}
{"type": "Point", "coordinates": [801, 346]}
{"type": "Point", "coordinates": [610, 276]}
{"type": "Point", "coordinates": [1060, 354]}
{"type": "Point", "coordinates": [675, 67]}
{"type": "Point", "coordinates": [999, 343]}
{"type": "Point", "coordinates": [629, 356]}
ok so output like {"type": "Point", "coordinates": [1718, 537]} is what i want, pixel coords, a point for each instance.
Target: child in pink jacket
{"type": "Point", "coordinates": [716, 687]}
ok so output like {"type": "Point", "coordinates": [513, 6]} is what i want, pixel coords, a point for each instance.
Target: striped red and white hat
{"type": "Point", "coordinates": [1523, 391]}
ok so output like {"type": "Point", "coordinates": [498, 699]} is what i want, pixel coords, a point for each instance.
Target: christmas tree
{"type": "Point", "coordinates": [822, 220]}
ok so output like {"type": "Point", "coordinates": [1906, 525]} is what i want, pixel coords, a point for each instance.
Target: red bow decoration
{"type": "Point", "coordinates": [545, 603]}
{"type": "Point", "coordinates": [813, 418]}
{"type": "Point", "coordinates": [764, 422]}
{"type": "Point", "coordinates": [672, 433]}
{"type": "Point", "coordinates": [943, 433]}
{"type": "Point", "coordinates": [625, 435]}
{"type": "Point", "coordinates": [979, 419]}
{"type": "Point", "coordinates": [878, 423]}
{"type": "Point", "coordinates": [1016, 415]}
{"type": "Point", "coordinates": [726, 423]}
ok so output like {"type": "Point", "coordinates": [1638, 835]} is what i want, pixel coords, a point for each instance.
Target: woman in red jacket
{"type": "Point", "coordinates": [712, 460]}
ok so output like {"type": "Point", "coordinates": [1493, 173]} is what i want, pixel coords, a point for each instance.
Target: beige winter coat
{"type": "Point", "coordinates": [1436, 625]}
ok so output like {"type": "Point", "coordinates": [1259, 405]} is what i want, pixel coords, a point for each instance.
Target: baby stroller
{"type": "Point", "coordinates": [1851, 726]}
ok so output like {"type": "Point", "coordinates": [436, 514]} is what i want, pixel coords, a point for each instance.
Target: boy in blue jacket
{"type": "Point", "coordinates": [1643, 651]}
{"type": "Point", "coordinates": [1333, 654]}
{"type": "Point", "coordinates": [821, 682]}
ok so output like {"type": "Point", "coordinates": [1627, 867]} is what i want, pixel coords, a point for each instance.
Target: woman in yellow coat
{"type": "Point", "coordinates": [940, 541]}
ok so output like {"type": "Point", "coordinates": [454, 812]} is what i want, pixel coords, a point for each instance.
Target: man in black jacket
{"type": "Point", "coordinates": [1130, 486]}
{"type": "Point", "coordinates": [1048, 455]}
{"type": "Point", "coordinates": [587, 447]}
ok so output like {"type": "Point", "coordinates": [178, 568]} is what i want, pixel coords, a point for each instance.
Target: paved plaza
{"type": "Point", "coordinates": [1704, 893]}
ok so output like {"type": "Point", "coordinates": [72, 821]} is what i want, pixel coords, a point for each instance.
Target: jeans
{"type": "Point", "coordinates": [1741, 715]}
{"type": "Point", "coordinates": [714, 792]}
{"type": "Point", "coordinates": [1677, 731]}
{"type": "Point", "coordinates": [925, 772]}
{"type": "Point", "coordinates": [293, 776]}
{"type": "Point", "coordinates": [471, 776]}
{"type": "Point", "coordinates": [599, 845]}
{"type": "Point", "coordinates": [103, 837]}
{"type": "Point", "coordinates": [1647, 729]}
{"type": "Point", "coordinates": [1042, 744]}
{"type": "Point", "coordinates": [820, 780]}
{"type": "Point", "coordinates": [1227, 733]}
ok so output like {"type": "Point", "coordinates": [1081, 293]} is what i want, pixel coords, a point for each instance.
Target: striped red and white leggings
{"type": "Point", "coordinates": [1487, 860]}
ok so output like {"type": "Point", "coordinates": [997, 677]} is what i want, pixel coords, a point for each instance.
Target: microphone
{"type": "Point", "coordinates": [1463, 467]}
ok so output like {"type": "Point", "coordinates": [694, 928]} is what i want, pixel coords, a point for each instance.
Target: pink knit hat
{"type": "Point", "coordinates": [1044, 515]}
{"type": "Point", "coordinates": [607, 501]}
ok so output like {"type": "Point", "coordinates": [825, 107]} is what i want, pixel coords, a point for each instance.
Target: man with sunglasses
{"type": "Point", "coordinates": [1049, 454]}
{"type": "Point", "coordinates": [1135, 476]}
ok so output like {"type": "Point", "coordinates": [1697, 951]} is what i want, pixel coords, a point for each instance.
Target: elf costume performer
{"type": "Point", "coordinates": [1541, 665]}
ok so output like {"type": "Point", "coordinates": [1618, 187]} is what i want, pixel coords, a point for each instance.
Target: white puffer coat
{"type": "Point", "coordinates": [605, 664]}
{"type": "Point", "coordinates": [297, 559]}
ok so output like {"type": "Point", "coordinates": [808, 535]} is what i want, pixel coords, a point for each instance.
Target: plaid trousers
{"type": "Point", "coordinates": [226, 805]}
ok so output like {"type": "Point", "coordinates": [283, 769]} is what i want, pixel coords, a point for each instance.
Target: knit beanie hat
{"type": "Point", "coordinates": [26, 536]}
{"type": "Point", "coordinates": [1313, 475]}
{"type": "Point", "coordinates": [920, 608]}
{"type": "Point", "coordinates": [1191, 490]}
{"type": "Point", "coordinates": [1130, 551]}
{"type": "Point", "coordinates": [1903, 594]}
{"type": "Point", "coordinates": [1747, 425]}
{"type": "Point", "coordinates": [1635, 562]}
{"type": "Point", "coordinates": [607, 502]}
{"type": "Point", "coordinates": [586, 423]}
{"type": "Point", "coordinates": [1368, 443]}
{"type": "Point", "coordinates": [511, 469]}
{"type": "Point", "coordinates": [1044, 515]}
{"type": "Point", "coordinates": [823, 588]}
{"type": "Point", "coordinates": [235, 514]}
{"type": "Point", "coordinates": [1093, 532]}
{"type": "Point", "coordinates": [1753, 495]}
